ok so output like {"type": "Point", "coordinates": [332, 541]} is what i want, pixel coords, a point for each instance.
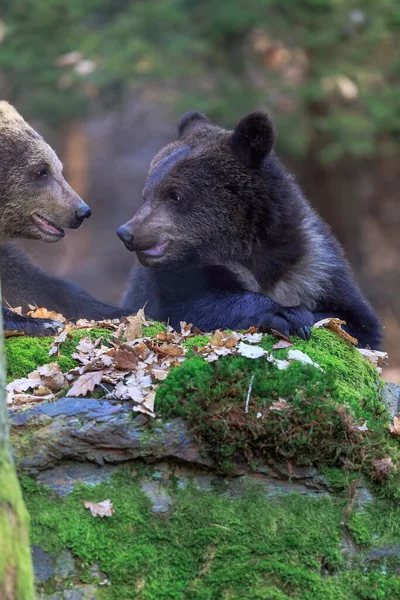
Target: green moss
{"type": "Point", "coordinates": [209, 547]}
{"type": "Point", "coordinates": [14, 541]}
{"type": "Point", "coordinates": [197, 341]}
{"type": "Point", "coordinates": [153, 329]}
{"type": "Point", "coordinates": [25, 354]}
{"type": "Point", "coordinates": [319, 424]}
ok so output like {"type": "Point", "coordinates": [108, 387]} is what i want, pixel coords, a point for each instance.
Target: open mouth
{"type": "Point", "coordinates": [47, 227]}
{"type": "Point", "coordinates": [156, 250]}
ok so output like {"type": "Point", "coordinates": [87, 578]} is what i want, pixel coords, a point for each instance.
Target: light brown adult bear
{"type": "Point", "coordinates": [36, 202]}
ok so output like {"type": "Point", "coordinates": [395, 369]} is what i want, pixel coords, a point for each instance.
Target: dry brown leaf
{"type": "Point", "coordinates": [282, 344]}
{"type": "Point", "coordinates": [31, 398]}
{"type": "Point", "coordinates": [100, 509]}
{"type": "Point", "coordinates": [125, 359]}
{"type": "Point", "coordinates": [60, 339]}
{"type": "Point", "coordinates": [147, 405]}
{"type": "Point", "coordinates": [335, 325]}
{"type": "Point", "coordinates": [159, 374]}
{"type": "Point", "coordinates": [9, 334]}
{"type": "Point", "coordinates": [281, 336]}
{"type": "Point", "coordinates": [169, 350]}
{"type": "Point", "coordinates": [52, 376]}
{"type": "Point", "coordinates": [279, 405]}
{"type": "Point", "coordinates": [85, 383]}
{"type": "Point", "coordinates": [164, 336]}
{"type": "Point", "coordinates": [17, 309]}
{"type": "Point", "coordinates": [375, 357]}
{"type": "Point", "coordinates": [186, 328]}
{"type": "Point", "coordinates": [134, 324]}
{"type": "Point", "coordinates": [395, 426]}
{"type": "Point", "coordinates": [43, 313]}
{"type": "Point", "coordinates": [86, 346]}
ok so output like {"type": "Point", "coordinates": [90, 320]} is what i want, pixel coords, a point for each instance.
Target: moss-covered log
{"type": "Point", "coordinates": [16, 575]}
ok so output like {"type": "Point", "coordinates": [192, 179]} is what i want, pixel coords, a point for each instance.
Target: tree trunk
{"type": "Point", "coordinates": [16, 574]}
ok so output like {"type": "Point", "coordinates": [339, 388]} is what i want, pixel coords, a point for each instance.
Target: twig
{"type": "Point", "coordinates": [246, 408]}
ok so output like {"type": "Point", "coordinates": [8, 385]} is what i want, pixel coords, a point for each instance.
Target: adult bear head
{"type": "Point", "coordinates": [208, 195]}
{"type": "Point", "coordinates": [36, 202]}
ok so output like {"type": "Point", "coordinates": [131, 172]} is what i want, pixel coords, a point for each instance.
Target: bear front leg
{"type": "Point", "coordinates": [241, 310]}
{"type": "Point", "coordinates": [30, 326]}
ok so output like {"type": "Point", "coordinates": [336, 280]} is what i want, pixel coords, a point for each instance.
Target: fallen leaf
{"type": "Point", "coordinates": [86, 346]}
{"type": "Point", "coordinates": [363, 427]}
{"type": "Point", "coordinates": [85, 383]}
{"type": "Point", "coordinates": [100, 509]}
{"type": "Point", "coordinates": [9, 334]}
{"type": "Point", "coordinates": [280, 364]}
{"type": "Point", "coordinates": [159, 374]}
{"type": "Point", "coordinates": [253, 338]}
{"type": "Point", "coordinates": [395, 426]}
{"type": "Point", "coordinates": [279, 405]}
{"type": "Point", "coordinates": [335, 325]}
{"type": "Point", "coordinates": [169, 350]}
{"type": "Point", "coordinates": [125, 359]}
{"type": "Point", "coordinates": [281, 344]}
{"type": "Point", "coordinates": [58, 340]}
{"type": "Point", "coordinates": [280, 335]}
{"type": "Point", "coordinates": [147, 406]}
{"type": "Point", "coordinates": [302, 357]}
{"type": "Point", "coordinates": [43, 313]}
{"type": "Point", "coordinates": [251, 351]}
{"type": "Point", "coordinates": [375, 357]}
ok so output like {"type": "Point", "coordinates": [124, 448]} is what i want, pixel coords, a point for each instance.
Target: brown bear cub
{"type": "Point", "coordinates": [226, 239]}
{"type": "Point", "coordinates": [36, 203]}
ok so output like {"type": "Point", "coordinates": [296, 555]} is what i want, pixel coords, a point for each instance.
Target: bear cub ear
{"type": "Point", "coordinates": [190, 120]}
{"type": "Point", "coordinates": [253, 138]}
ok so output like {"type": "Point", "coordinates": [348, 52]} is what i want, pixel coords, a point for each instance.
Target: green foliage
{"type": "Point", "coordinates": [209, 546]}
{"type": "Point", "coordinates": [327, 71]}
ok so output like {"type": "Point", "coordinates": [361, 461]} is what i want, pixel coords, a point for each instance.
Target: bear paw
{"type": "Point", "coordinates": [289, 321]}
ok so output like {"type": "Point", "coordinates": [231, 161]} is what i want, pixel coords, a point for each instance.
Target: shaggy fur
{"type": "Point", "coordinates": [226, 239]}
{"type": "Point", "coordinates": [36, 202]}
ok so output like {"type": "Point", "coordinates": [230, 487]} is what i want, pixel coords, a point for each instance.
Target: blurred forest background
{"type": "Point", "coordinates": [105, 81]}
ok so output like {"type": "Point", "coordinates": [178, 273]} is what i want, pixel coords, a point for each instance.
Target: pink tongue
{"type": "Point", "coordinates": [46, 225]}
{"type": "Point", "coordinates": [156, 250]}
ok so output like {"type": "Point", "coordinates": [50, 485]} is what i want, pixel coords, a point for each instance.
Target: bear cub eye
{"type": "Point", "coordinates": [175, 197]}
{"type": "Point", "coordinates": [43, 172]}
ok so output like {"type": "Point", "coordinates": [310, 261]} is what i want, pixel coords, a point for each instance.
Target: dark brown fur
{"type": "Point", "coordinates": [226, 239]}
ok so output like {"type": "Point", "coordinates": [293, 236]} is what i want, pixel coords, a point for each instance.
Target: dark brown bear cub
{"type": "Point", "coordinates": [226, 239]}
{"type": "Point", "coordinates": [36, 202]}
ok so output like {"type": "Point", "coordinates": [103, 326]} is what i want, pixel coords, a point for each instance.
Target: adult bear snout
{"type": "Point", "coordinates": [126, 237]}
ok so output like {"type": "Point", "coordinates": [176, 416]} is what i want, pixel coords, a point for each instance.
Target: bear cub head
{"type": "Point", "coordinates": [209, 195]}
{"type": "Point", "coordinates": [36, 202]}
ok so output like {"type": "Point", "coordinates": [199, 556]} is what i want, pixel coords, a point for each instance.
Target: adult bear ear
{"type": "Point", "coordinates": [190, 120]}
{"type": "Point", "coordinates": [253, 138]}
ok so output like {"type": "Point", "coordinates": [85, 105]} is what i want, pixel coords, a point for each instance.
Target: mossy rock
{"type": "Point", "coordinates": [215, 544]}
{"type": "Point", "coordinates": [321, 420]}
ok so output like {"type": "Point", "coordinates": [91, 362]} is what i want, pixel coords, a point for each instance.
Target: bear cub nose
{"type": "Point", "coordinates": [125, 235]}
{"type": "Point", "coordinates": [83, 212]}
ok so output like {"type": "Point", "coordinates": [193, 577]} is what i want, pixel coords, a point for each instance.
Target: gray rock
{"type": "Point", "coordinates": [63, 477]}
{"type": "Point", "coordinates": [161, 502]}
{"type": "Point", "coordinates": [391, 397]}
{"type": "Point", "coordinates": [44, 564]}
{"type": "Point", "coordinates": [82, 592]}
{"type": "Point", "coordinates": [99, 432]}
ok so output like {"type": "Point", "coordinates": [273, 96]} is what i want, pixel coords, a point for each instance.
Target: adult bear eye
{"type": "Point", "coordinates": [175, 197]}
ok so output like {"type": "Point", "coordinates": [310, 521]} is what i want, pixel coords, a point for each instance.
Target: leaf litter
{"type": "Point", "coordinates": [129, 366]}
